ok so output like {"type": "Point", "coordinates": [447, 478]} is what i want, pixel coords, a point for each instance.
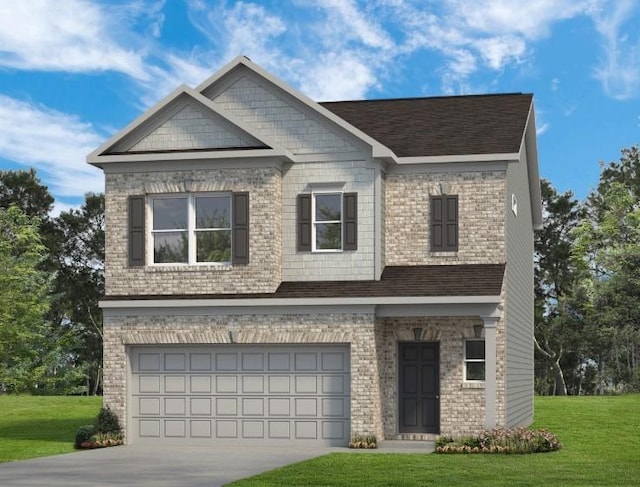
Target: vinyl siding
{"type": "Point", "coordinates": [519, 299]}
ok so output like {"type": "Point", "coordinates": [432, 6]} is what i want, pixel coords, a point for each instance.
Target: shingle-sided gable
{"type": "Point", "coordinates": [440, 126]}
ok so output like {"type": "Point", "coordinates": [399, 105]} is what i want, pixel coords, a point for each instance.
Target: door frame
{"type": "Point", "coordinates": [399, 344]}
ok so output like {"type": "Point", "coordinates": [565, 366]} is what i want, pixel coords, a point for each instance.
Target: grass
{"type": "Point", "coordinates": [38, 426]}
{"type": "Point", "coordinates": [601, 438]}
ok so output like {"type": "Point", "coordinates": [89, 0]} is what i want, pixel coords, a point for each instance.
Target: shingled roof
{"type": "Point", "coordinates": [396, 281]}
{"type": "Point", "coordinates": [439, 126]}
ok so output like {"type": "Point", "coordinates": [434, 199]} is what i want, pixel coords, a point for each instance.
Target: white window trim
{"type": "Point", "coordinates": [313, 221]}
{"type": "Point", "coordinates": [191, 230]}
{"type": "Point", "coordinates": [466, 361]}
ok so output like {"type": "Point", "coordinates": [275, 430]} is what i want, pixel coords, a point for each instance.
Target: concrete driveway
{"type": "Point", "coordinates": [153, 466]}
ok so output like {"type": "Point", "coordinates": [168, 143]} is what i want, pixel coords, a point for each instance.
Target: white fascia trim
{"type": "Point", "coordinates": [378, 150]}
{"type": "Point", "coordinates": [93, 157]}
{"type": "Point", "coordinates": [509, 157]}
{"type": "Point", "coordinates": [240, 310]}
{"type": "Point", "coordinates": [529, 140]}
{"type": "Point", "coordinates": [191, 156]}
{"type": "Point", "coordinates": [457, 309]}
{"type": "Point", "coordinates": [177, 165]}
{"type": "Point", "coordinates": [252, 302]}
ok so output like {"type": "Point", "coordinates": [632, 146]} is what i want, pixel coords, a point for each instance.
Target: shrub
{"type": "Point", "coordinates": [107, 421]}
{"type": "Point", "coordinates": [105, 432]}
{"type": "Point", "coordinates": [84, 434]}
{"type": "Point", "coordinates": [363, 441]}
{"type": "Point", "coordinates": [519, 440]}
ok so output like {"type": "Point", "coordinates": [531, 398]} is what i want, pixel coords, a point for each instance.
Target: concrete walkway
{"type": "Point", "coordinates": [170, 465]}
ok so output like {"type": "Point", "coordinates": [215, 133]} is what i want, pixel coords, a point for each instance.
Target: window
{"type": "Point", "coordinates": [444, 223]}
{"type": "Point", "coordinates": [191, 229]}
{"type": "Point", "coordinates": [474, 360]}
{"type": "Point", "coordinates": [327, 222]}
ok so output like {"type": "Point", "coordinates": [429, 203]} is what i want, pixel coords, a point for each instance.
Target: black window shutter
{"type": "Point", "coordinates": [136, 230]}
{"type": "Point", "coordinates": [451, 223]}
{"type": "Point", "coordinates": [444, 223]}
{"type": "Point", "coordinates": [350, 221]}
{"type": "Point", "coordinates": [240, 229]}
{"type": "Point", "coordinates": [304, 222]}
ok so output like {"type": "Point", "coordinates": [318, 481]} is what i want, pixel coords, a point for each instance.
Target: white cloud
{"type": "Point", "coordinates": [69, 35]}
{"type": "Point", "coordinates": [337, 77]}
{"type": "Point", "coordinates": [55, 143]}
{"type": "Point", "coordinates": [619, 72]}
{"type": "Point", "coordinates": [529, 20]}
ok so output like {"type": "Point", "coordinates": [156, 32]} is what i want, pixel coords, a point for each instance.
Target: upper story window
{"type": "Point", "coordinates": [191, 229]}
{"type": "Point", "coordinates": [444, 223]}
{"type": "Point", "coordinates": [327, 222]}
{"type": "Point", "coordinates": [474, 360]}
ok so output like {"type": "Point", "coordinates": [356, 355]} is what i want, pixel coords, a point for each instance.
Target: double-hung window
{"type": "Point", "coordinates": [474, 360]}
{"type": "Point", "coordinates": [327, 221]}
{"type": "Point", "coordinates": [191, 229]}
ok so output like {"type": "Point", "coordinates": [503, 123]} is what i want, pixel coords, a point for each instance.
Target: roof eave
{"type": "Point", "coordinates": [329, 301]}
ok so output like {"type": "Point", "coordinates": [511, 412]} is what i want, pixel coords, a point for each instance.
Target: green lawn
{"type": "Point", "coordinates": [601, 438]}
{"type": "Point", "coordinates": [37, 426]}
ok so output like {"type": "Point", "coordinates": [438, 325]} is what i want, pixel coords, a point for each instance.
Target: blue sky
{"type": "Point", "coordinates": [74, 72]}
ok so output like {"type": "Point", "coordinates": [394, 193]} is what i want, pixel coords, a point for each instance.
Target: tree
{"type": "Point", "coordinates": [23, 300]}
{"type": "Point", "coordinates": [557, 319]}
{"type": "Point", "coordinates": [79, 284]}
{"type": "Point", "coordinates": [24, 190]}
{"type": "Point", "coordinates": [608, 248]}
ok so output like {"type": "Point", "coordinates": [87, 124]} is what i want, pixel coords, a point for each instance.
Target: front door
{"type": "Point", "coordinates": [419, 388]}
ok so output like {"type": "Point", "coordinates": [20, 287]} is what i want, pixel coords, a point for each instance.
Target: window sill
{"type": "Point", "coordinates": [443, 254]}
{"type": "Point", "coordinates": [473, 385]}
{"type": "Point", "coordinates": [187, 268]}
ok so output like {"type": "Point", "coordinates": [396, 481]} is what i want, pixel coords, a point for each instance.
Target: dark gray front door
{"type": "Point", "coordinates": [419, 391]}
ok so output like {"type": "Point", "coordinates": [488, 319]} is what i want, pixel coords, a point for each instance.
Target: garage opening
{"type": "Point", "coordinates": [240, 393]}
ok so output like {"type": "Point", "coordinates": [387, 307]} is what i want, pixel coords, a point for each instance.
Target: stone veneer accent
{"type": "Point", "coordinates": [481, 227]}
{"type": "Point", "coordinates": [462, 405]}
{"type": "Point", "coordinates": [355, 329]}
{"type": "Point", "coordinates": [262, 274]}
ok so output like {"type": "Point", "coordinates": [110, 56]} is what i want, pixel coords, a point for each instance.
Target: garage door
{"type": "Point", "coordinates": [265, 394]}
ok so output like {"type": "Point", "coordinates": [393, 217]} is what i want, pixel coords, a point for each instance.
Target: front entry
{"type": "Point", "coordinates": [419, 388]}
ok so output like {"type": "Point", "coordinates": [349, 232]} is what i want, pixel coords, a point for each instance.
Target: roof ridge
{"type": "Point", "coordinates": [411, 98]}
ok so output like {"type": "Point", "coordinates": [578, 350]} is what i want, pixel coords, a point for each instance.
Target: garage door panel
{"type": "Point", "coordinates": [306, 384]}
{"type": "Point", "coordinates": [334, 384]}
{"type": "Point", "coordinates": [279, 361]}
{"type": "Point", "coordinates": [243, 393]}
{"type": "Point", "coordinates": [147, 384]}
{"type": "Point", "coordinates": [201, 406]}
{"type": "Point", "coordinates": [279, 384]}
{"type": "Point", "coordinates": [200, 384]}
{"type": "Point", "coordinates": [149, 361]}
{"type": "Point", "coordinates": [226, 384]}
{"type": "Point", "coordinates": [226, 406]}
{"type": "Point", "coordinates": [200, 428]}
{"type": "Point", "coordinates": [226, 361]}
{"type": "Point", "coordinates": [175, 361]}
{"type": "Point", "coordinates": [200, 361]}
{"type": "Point", "coordinates": [253, 384]}
{"type": "Point", "coordinates": [175, 384]}
{"type": "Point", "coordinates": [226, 429]}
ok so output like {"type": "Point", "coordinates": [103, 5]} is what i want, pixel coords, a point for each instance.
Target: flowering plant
{"type": "Point", "coordinates": [501, 440]}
